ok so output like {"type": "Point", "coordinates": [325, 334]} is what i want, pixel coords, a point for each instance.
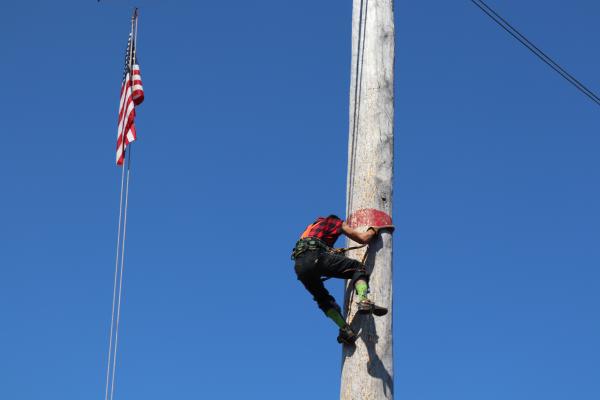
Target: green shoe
{"type": "Point", "coordinates": [347, 336]}
{"type": "Point", "coordinates": [366, 306]}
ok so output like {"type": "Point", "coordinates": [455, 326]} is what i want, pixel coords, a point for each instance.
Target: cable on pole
{"type": "Point", "coordinates": [118, 317]}
{"type": "Point", "coordinates": [535, 50]}
{"type": "Point", "coordinates": [112, 317]}
{"type": "Point", "coordinates": [360, 50]}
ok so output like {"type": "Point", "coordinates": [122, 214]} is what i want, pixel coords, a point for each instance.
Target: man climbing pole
{"type": "Point", "coordinates": [315, 258]}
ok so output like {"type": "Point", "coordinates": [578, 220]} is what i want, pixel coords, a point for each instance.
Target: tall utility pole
{"type": "Point", "coordinates": [367, 368]}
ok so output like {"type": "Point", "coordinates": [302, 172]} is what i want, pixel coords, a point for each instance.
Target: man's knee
{"type": "Point", "coordinates": [360, 274]}
{"type": "Point", "coordinates": [321, 296]}
{"type": "Point", "coordinates": [359, 271]}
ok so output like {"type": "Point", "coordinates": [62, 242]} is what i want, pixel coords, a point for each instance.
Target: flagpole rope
{"type": "Point", "coordinates": [114, 363]}
{"type": "Point", "coordinates": [135, 34]}
{"type": "Point", "coordinates": [112, 317]}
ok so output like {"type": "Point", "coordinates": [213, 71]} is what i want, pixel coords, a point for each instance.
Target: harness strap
{"type": "Point", "coordinates": [343, 250]}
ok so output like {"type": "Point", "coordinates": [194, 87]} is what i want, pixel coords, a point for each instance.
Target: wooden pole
{"type": "Point", "coordinates": [367, 368]}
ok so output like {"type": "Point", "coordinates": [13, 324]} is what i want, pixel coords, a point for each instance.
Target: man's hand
{"type": "Point", "coordinates": [377, 229]}
{"type": "Point", "coordinates": [364, 237]}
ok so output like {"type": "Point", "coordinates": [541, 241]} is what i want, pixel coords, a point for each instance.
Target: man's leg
{"type": "Point", "coordinates": [328, 305]}
{"type": "Point", "coordinates": [338, 266]}
{"type": "Point", "coordinates": [336, 317]}
{"type": "Point", "coordinates": [365, 305]}
{"type": "Point", "coordinates": [310, 278]}
{"type": "Point", "coordinates": [362, 288]}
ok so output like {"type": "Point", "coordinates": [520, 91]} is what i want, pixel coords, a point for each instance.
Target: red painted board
{"type": "Point", "coordinates": [368, 217]}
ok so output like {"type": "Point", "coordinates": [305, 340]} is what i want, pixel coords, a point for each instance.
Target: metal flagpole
{"type": "Point", "coordinates": [114, 324]}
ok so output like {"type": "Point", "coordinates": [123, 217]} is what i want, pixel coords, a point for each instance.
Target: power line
{"type": "Point", "coordinates": [535, 50]}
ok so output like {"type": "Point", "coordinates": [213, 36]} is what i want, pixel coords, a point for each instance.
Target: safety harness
{"type": "Point", "coordinates": [308, 244]}
{"type": "Point", "coordinates": [312, 243]}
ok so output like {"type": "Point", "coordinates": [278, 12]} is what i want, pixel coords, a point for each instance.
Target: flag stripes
{"type": "Point", "coordinates": [132, 94]}
{"type": "Point", "coordinates": [126, 129]}
{"type": "Point", "coordinates": [138, 89]}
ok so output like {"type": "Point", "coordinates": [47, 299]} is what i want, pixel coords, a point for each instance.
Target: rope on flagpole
{"type": "Point", "coordinates": [118, 318]}
{"type": "Point", "coordinates": [112, 317]}
{"type": "Point", "coordinates": [135, 13]}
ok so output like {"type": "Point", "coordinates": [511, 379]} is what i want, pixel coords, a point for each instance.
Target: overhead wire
{"type": "Point", "coordinates": [360, 49]}
{"type": "Point", "coordinates": [358, 82]}
{"type": "Point", "coordinates": [535, 50]}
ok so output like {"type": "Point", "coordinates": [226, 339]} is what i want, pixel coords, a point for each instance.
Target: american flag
{"type": "Point", "coordinates": [132, 94]}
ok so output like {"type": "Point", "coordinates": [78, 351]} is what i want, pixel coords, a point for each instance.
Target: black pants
{"type": "Point", "coordinates": [312, 265]}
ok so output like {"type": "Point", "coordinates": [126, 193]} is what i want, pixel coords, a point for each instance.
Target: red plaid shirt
{"type": "Point", "coordinates": [326, 229]}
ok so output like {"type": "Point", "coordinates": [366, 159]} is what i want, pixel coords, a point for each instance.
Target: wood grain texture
{"type": "Point", "coordinates": [367, 368]}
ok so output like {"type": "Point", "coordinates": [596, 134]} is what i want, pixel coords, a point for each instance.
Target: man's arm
{"type": "Point", "coordinates": [363, 237]}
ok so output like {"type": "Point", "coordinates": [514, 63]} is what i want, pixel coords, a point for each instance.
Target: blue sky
{"type": "Point", "coordinates": [496, 199]}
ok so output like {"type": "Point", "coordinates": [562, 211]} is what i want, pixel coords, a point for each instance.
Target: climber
{"type": "Point", "coordinates": [314, 258]}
